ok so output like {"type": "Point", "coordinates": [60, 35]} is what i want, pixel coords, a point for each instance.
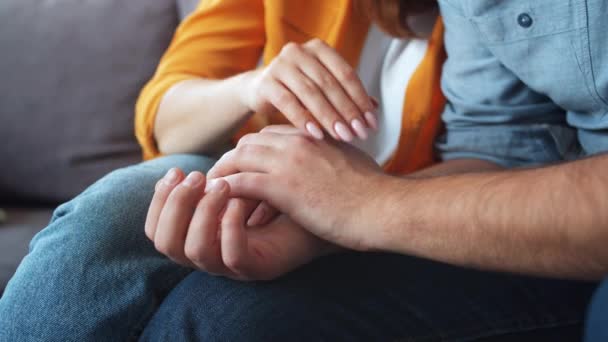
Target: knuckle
{"type": "Point", "coordinates": [194, 253]}
{"type": "Point", "coordinates": [245, 139]}
{"type": "Point", "coordinates": [284, 99]}
{"type": "Point", "coordinates": [246, 149]}
{"type": "Point", "coordinates": [267, 129]}
{"type": "Point", "coordinates": [248, 181]}
{"type": "Point", "coordinates": [315, 42]}
{"type": "Point", "coordinates": [234, 263]}
{"type": "Point", "coordinates": [290, 49]}
{"type": "Point", "coordinates": [179, 196]}
{"type": "Point", "coordinates": [326, 81]}
{"type": "Point", "coordinates": [347, 74]}
{"type": "Point", "coordinates": [162, 246]}
{"type": "Point", "coordinates": [308, 87]}
{"type": "Point", "coordinates": [299, 142]}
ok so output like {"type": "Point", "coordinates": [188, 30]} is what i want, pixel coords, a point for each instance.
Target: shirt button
{"type": "Point", "coordinates": [524, 20]}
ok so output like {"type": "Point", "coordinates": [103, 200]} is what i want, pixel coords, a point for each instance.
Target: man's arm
{"type": "Point", "coordinates": [549, 221]}
{"type": "Point", "coordinates": [455, 166]}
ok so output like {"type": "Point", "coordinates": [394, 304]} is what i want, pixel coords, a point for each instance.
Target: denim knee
{"type": "Point", "coordinates": [92, 274]}
{"type": "Point", "coordinates": [111, 212]}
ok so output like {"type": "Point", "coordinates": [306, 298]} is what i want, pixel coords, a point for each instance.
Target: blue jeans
{"type": "Point", "coordinates": [597, 322]}
{"type": "Point", "coordinates": [92, 275]}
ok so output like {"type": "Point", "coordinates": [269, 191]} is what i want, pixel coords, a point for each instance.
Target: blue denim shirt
{"type": "Point", "coordinates": [526, 81]}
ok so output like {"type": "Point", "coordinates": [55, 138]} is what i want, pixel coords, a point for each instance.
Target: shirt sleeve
{"type": "Point", "coordinates": [490, 114]}
{"type": "Point", "coordinates": [220, 39]}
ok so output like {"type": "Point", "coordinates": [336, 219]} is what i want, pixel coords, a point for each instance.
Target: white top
{"type": "Point", "coordinates": [386, 66]}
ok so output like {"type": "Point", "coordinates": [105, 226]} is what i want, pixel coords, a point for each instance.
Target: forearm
{"type": "Point", "coordinates": [550, 221]}
{"type": "Point", "coordinates": [453, 167]}
{"type": "Point", "coordinates": [200, 116]}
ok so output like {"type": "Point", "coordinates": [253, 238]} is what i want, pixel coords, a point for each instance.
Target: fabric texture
{"type": "Point", "coordinates": [15, 234]}
{"type": "Point", "coordinates": [92, 275]}
{"type": "Point", "coordinates": [597, 320]}
{"type": "Point", "coordinates": [526, 82]}
{"type": "Point", "coordinates": [372, 297]}
{"type": "Point", "coordinates": [230, 36]}
{"type": "Point", "coordinates": [186, 7]}
{"type": "Point", "coordinates": [71, 73]}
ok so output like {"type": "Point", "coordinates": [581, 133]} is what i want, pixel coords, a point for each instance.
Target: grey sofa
{"type": "Point", "coordinates": [71, 73]}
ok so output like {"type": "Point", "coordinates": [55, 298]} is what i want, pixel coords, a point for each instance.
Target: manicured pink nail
{"type": "Point", "coordinates": [371, 119]}
{"type": "Point", "coordinates": [314, 130]}
{"type": "Point", "coordinates": [193, 179]}
{"type": "Point", "coordinates": [343, 132]}
{"type": "Point", "coordinates": [359, 129]}
{"type": "Point", "coordinates": [171, 177]}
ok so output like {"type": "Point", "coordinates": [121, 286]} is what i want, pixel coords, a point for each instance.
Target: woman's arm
{"type": "Point", "coordinates": [311, 84]}
{"type": "Point", "coordinates": [207, 84]}
{"type": "Point", "coordinates": [192, 84]}
{"type": "Point", "coordinates": [200, 115]}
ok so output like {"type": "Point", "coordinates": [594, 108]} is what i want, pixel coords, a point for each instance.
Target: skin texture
{"type": "Point", "coordinates": [208, 231]}
{"type": "Point", "coordinates": [550, 221]}
{"type": "Point", "coordinates": [311, 84]}
{"type": "Point", "coordinates": [196, 238]}
{"type": "Point", "coordinates": [316, 89]}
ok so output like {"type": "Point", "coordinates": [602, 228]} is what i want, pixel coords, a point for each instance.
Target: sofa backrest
{"type": "Point", "coordinates": [70, 73]}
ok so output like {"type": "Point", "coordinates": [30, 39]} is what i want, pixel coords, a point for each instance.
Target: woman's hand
{"type": "Point", "coordinates": [332, 189]}
{"type": "Point", "coordinates": [315, 88]}
{"type": "Point", "coordinates": [209, 231]}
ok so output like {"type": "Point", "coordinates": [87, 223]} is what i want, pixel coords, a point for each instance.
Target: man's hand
{"type": "Point", "coordinates": [326, 186]}
{"type": "Point", "coordinates": [209, 231]}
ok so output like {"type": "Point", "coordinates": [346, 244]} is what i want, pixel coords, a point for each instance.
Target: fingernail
{"type": "Point", "coordinates": [359, 129]}
{"type": "Point", "coordinates": [343, 132]}
{"type": "Point", "coordinates": [193, 179]}
{"type": "Point", "coordinates": [314, 130]}
{"type": "Point", "coordinates": [371, 119]}
{"type": "Point", "coordinates": [171, 177]}
{"type": "Point", "coordinates": [216, 185]}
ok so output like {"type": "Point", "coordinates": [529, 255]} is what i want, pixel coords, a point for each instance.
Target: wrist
{"type": "Point", "coordinates": [384, 212]}
{"type": "Point", "coordinates": [244, 88]}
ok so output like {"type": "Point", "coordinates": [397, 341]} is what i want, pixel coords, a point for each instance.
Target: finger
{"type": "Point", "coordinates": [162, 191]}
{"type": "Point", "coordinates": [259, 186]}
{"type": "Point", "coordinates": [247, 157]}
{"type": "Point", "coordinates": [176, 215]}
{"type": "Point", "coordinates": [262, 215]}
{"type": "Point", "coordinates": [202, 246]}
{"type": "Point", "coordinates": [281, 129]}
{"type": "Point", "coordinates": [312, 97]}
{"type": "Point", "coordinates": [289, 104]}
{"type": "Point", "coordinates": [335, 94]}
{"type": "Point", "coordinates": [233, 236]}
{"type": "Point", "coordinates": [343, 72]}
{"type": "Point", "coordinates": [372, 119]}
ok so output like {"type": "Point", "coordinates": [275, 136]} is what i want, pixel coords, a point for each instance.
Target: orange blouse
{"type": "Point", "coordinates": [226, 37]}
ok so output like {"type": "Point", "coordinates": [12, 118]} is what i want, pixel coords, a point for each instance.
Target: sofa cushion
{"type": "Point", "coordinates": [15, 234]}
{"type": "Point", "coordinates": [186, 7]}
{"type": "Point", "coordinates": [71, 73]}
